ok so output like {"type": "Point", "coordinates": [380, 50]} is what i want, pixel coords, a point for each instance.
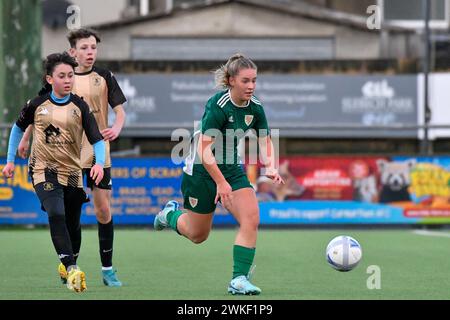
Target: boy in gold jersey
{"type": "Point", "coordinates": [59, 119]}
{"type": "Point", "coordinates": [99, 88]}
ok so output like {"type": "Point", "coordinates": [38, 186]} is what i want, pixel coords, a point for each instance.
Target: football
{"type": "Point", "coordinates": [343, 253]}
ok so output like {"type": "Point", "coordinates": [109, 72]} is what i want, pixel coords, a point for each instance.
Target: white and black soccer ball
{"type": "Point", "coordinates": [343, 253]}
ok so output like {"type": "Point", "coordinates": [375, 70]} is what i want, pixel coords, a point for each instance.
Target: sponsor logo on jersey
{"type": "Point", "coordinates": [53, 136]}
{"type": "Point", "coordinates": [43, 111]}
{"type": "Point", "coordinates": [230, 119]}
{"type": "Point", "coordinates": [51, 131]}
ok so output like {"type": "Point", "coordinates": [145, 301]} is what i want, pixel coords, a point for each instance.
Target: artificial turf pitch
{"type": "Point", "coordinates": [290, 265]}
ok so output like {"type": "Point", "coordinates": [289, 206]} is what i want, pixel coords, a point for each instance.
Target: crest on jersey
{"type": "Point", "coordinates": [248, 119]}
{"type": "Point", "coordinates": [193, 202]}
{"type": "Point", "coordinates": [75, 114]}
{"type": "Point", "coordinates": [97, 81]}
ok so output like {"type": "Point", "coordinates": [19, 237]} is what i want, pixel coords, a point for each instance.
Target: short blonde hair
{"type": "Point", "coordinates": [236, 63]}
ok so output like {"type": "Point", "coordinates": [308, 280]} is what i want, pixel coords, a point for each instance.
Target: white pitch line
{"type": "Point", "coordinates": [432, 233]}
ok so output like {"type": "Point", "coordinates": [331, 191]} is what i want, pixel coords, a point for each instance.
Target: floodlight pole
{"type": "Point", "coordinates": [425, 146]}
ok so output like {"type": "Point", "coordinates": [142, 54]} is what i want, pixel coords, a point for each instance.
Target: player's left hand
{"type": "Point", "coordinates": [8, 170]}
{"type": "Point", "coordinates": [97, 173]}
{"type": "Point", "coordinates": [274, 175]}
{"type": "Point", "coordinates": [110, 134]}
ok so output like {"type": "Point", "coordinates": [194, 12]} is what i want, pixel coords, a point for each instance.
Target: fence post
{"type": "Point", "coordinates": [20, 56]}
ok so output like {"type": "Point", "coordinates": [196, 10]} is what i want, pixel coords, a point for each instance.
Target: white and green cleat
{"type": "Point", "coordinates": [242, 286]}
{"type": "Point", "coordinates": [160, 221]}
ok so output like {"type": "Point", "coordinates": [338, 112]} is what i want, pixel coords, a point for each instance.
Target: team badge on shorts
{"type": "Point", "coordinates": [48, 186]}
{"type": "Point", "coordinates": [193, 202]}
{"type": "Point", "coordinates": [248, 119]}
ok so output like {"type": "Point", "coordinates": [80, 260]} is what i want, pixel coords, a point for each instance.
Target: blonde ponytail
{"type": "Point", "coordinates": [234, 64]}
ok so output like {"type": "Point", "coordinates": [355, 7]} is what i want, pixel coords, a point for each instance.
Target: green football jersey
{"type": "Point", "coordinates": [227, 123]}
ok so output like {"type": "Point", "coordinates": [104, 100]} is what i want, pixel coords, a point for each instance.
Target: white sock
{"type": "Point", "coordinates": [106, 268]}
{"type": "Point", "coordinates": [69, 268]}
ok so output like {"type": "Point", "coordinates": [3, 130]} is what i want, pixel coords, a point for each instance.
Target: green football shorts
{"type": "Point", "coordinates": [199, 191]}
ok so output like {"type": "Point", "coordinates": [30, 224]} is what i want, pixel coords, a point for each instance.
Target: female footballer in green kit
{"type": "Point", "coordinates": [212, 176]}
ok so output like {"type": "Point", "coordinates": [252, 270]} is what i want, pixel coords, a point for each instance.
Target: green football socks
{"type": "Point", "coordinates": [172, 218]}
{"type": "Point", "coordinates": [242, 260]}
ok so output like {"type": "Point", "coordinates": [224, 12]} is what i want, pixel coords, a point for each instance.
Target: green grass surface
{"type": "Point", "coordinates": [290, 265]}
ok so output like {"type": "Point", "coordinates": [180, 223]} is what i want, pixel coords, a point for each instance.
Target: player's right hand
{"type": "Point", "coordinates": [8, 170]}
{"type": "Point", "coordinates": [23, 148]}
{"type": "Point", "coordinates": [97, 173]}
{"type": "Point", "coordinates": [110, 134]}
{"type": "Point", "coordinates": [224, 194]}
{"type": "Point", "coordinates": [274, 175]}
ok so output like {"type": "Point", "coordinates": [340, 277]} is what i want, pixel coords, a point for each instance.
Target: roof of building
{"type": "Point", "coordinates": [298, 9]}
